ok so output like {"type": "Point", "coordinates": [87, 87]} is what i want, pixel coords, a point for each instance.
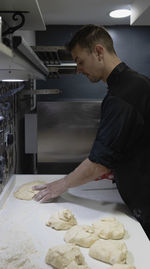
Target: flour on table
{"type": "Point", "coordinates": [109, 251]}
{"type": "Point", "coordinates": [62, 255]}
{"type": "Point", "coordinates": [62, 220]}
{"type": "Point", "coordinates": [74, 265]}
{"type": "Point", "coordinates": [122, 266]}
{"type": "Point", "coordinates": [16, 254]}
{"type": "Point", "coordinates": [109, 228]}
{"type": "Point", "coordinates": [25, 191]}
{"type": "Point", "coordinates": [81, 235]}
{"type": "Point", "coordinates": [16, 261]}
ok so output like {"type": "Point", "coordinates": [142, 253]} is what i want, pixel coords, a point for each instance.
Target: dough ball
{"type": "Point", "coordinates": [109, 251]}
{"type": "Point", "coordinates": [109, 228]}
{"type": "Point", "coordinates": [82, 235]}
{"type": "Point", "coordinates": [25, 191]}
{"type": "Point", "coordinates": [62, 220]}
{"type": "Point", "coordinates": [122, 266]}
{"type": "Point", "coordinates": [61, 256]}
{"type": "Point", "coordinates": [74, 265]}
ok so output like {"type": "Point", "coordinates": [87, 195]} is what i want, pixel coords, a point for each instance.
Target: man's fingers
{"type": "Point", "coordinates": [39, 187]}
{"type": "Point", "coordinates": [46, 199]}
{"type": "Point", "coordinates": [39, 195]}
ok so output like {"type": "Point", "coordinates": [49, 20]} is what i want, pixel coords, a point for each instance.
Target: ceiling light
{"type": "Point", "coordinates": [12, 80]}
{"type": "Point", "coordinates": [120, 13]}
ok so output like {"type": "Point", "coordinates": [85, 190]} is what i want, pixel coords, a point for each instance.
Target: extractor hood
{"type": "Point", "coordinates": [20, 61]}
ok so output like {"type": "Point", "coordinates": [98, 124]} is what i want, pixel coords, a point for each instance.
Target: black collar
{"type": "Point", "coordinates": [113, 78]}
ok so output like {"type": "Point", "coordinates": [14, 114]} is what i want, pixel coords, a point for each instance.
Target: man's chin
{"type": "Point", "coordinates": [93, 80]}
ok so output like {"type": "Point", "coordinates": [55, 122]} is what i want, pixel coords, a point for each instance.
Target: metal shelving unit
{"type": "Point", "coordinates": [57, 59]}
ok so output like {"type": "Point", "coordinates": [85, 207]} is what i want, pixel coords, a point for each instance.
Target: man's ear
{"type": "Point", "coordinates": [99, 51]}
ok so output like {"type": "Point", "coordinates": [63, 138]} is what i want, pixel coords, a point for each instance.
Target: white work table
{"type": "Point", "coordinates": [25, 238]}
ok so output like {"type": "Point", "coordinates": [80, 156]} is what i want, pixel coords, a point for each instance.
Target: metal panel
{"type": "Point", "coordinates": [66, 130]}
{"type": "Point", "coordinates": [30, 133]}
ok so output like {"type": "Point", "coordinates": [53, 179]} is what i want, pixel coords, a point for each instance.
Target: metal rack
{"type": "Point", "coordinates": [8, 92]}
{"type": "Point", "coordinates": [57, 59]}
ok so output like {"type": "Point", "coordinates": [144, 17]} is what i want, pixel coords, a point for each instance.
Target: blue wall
{"type": "Point", "coordinates": [132, 44]}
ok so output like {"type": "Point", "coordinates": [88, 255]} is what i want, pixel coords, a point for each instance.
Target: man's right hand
{"type": "Point", "coordinates": [50, 190]}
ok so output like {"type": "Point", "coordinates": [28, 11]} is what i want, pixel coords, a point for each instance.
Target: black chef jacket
{"type": "Point", "coordinates": [123, 139]}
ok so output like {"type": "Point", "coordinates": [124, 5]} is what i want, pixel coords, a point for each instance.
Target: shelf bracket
{"type": "Point", "coordinates": [16, 15]}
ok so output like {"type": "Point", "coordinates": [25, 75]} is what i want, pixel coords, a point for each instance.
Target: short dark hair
{"type": "Point", "coordinates": [90, 35]}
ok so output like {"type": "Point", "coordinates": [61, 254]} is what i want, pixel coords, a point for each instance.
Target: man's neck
{"type": "Point", "coordinates": [111, 63]}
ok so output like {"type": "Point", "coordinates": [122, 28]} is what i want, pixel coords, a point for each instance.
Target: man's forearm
{"type": "Point", "coordinates": [85, 172]}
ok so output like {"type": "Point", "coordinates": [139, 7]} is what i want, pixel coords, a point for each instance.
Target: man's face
{"type": "Point", "coordinates": [88, 63]}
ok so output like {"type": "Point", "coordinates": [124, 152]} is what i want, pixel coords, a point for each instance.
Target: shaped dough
{"type": "Point", "coordinates": [25, 191]}
{"type": "Point", "coordinates": [122, 266]}
{"type": "Point", "coordinates": [61, 256]}
{"type": "Point", "coordinates": [82, 235]}
{"type": "Point", "coordinates": [74, 265]}
{"type": "Point", "coordinates": [62, 220]}
{"type": "Point", "coordinates": [109, 251]}
{"type": "Point", "coordinates": [109, 228]}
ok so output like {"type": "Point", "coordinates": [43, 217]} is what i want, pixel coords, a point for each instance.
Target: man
{"type": "Point", "coordinates": [122, 144]}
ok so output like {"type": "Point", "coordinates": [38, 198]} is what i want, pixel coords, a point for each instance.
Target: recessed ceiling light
{"type": "Point", "coordinates": [120, 13]}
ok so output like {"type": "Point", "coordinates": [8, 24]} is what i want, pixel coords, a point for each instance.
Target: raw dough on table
{"type": "Point", "coordinates": [62, 255]}
{"type": "Point", "coordinates": [74, 265]}
{"type": "Point", "coordinates": [25, 191]}
{"type": "Point", "coordinates": [109, 228]}
{"type": "Point", "coordinates": [62, 220]}
{"type": "Point", "coordinates": [122, 266]}
{"type": "Point", "coordinates": [81, 235]}
{"type": "Point", "coordinates": [109, 251]}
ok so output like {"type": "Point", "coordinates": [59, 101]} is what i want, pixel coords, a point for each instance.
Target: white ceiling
{"type": "Point", "coordinates": [79, 12]}
{"type": "Point", "coordinates": [74, 12]}
{"type": "Point", "coordinates": [33, 19]}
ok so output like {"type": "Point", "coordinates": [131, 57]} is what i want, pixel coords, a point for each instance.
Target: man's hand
{"type": "Point", "coordinates": [50, 190]}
